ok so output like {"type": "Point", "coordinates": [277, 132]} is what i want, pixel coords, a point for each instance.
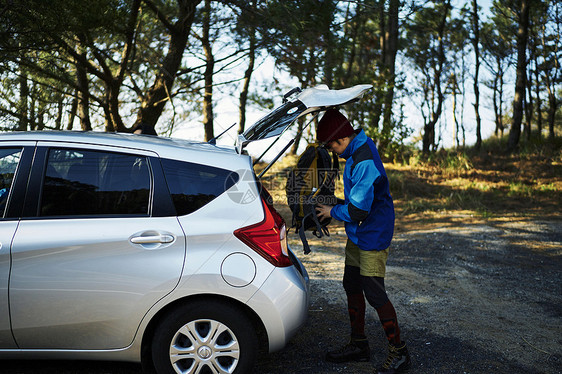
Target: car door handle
{"type": "Point", "coordinates": [152, 239]}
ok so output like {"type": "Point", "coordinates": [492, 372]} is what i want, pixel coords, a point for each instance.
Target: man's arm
{"type": "Point", "coordinates": [361, 194]}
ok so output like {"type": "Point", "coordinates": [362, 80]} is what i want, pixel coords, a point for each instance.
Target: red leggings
{"type": "Point", "coordinates": [358, 288]}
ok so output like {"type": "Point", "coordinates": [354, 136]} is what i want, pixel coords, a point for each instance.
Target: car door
{"type": "Point", "coordinates": [12, 167]}
{"type": "Point", "coordinates": [94, 251]}
{"type": "Point", "coordinates": [296, 104]}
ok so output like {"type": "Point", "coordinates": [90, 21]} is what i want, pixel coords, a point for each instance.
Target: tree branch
{"type": "Point", "coordinates": [161, 16]}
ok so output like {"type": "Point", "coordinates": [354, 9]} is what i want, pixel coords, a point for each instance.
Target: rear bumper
{"type": "Point", "coordinates": [282, 303]}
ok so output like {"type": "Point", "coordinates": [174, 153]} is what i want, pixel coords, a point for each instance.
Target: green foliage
{"type": "Point", "coordinates": [536, 146]}
{"type": "Point", "coordinates": [35, 43]}
{"type": "Point", "coordinates": [315, 41]}
{"type": "Point", "coordinates": [396, 149]}
{"type": "Point", "coordinates": [48, 43]}
{"type": "Point", "coordinates": [298, 32]}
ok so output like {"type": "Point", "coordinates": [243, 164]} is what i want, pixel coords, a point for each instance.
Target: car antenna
{"type": "Point", "coordinates": [214, 140]}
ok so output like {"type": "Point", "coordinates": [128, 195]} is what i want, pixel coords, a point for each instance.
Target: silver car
{"type": "Point", "coordinates": [145, 249]}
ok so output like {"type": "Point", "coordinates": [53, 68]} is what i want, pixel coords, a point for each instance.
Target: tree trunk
{"type": "Point", "coordinates": [455, 119]}
{"type": "Point", "coordinates": [391, 46]}
{"type": "Point", "coordinates": [329, 48]}
{"type": "Point", "coordinates": [83, 98]}
{"type": "Point", "coordinates": [356, 29]}
{"type": "Point", "coordinates": [529, 105]}
{"type": "Point", "coordinates": [247, 77]}
{"type": "Point", "coordinates": [23, 102]}
{"type": "Point", "coordinates": [462, 90]}
{"type": "Point", "coordinates": [108, 123]}
{"type": "Point", "coordinates": [550, 82]}
{"type": "Point", "coordinates": [379, 89]}
{"type": "Point", "coordinates": [428, 141]}
{"type": "Point", "coordinates": [520, 83]}
{"type": "Point", "coordinates": [304, 81]}
{"type": "Point", "coordinates": [31, 117]}
{"type": "Point", "coordinates": [72, 114]}
{"type": "Point", "coordinates": [552, 106]}
{"type": "Point", "coordinates": [475, 44]}
{"type": "Point", "coordinates": [208, 74]}
{"type": "Point", "coordinates": [529, 102]}
{"type": "Point", "coordinates": [495, 103]}
{"type": "Point", "coordinates": [538, 96]}
{"type": "Point", "coordinates": [157, 96]}
{"type": "Point", "coordinates": [60, 109]}
{"type": "Point", "coordinates": [40, 120]}
{"type": "Point", "coordinates": [502, 126]}
{"type": "Point", "coordinates": [114, 80]}
{"type": "Point", "coordinates": [113, 118]}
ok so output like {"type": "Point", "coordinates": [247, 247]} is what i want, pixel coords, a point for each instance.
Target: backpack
{"type": "Point", "coordinates": [312, 181]}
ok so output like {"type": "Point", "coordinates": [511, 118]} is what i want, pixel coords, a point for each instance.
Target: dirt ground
{"type": "Point", "coordinates": [475, 274]}
{"type": "Point", "coordinates": [472, 295]}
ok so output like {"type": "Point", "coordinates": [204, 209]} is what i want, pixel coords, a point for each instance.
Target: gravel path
{"type": "Point", "coordinates": [472, 296]}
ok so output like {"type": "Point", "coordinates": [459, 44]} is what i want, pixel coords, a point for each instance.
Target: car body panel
{"type": "Point", "coordinates": [309, 100]}
{"type": "Point", "coordinates": [322, 97]}
{"type": "Point", "coordinates": [7, 230]}
{"type": "Point", "coordinates": [102, 283]}
{"type": "Point", "coordinates": [80, 288]}
{"type": "Point", "coordinates": [8, 226]}
{"type": "Point", "coordinates": [282, 315]}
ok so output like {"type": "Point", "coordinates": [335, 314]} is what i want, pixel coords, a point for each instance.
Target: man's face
{"type": "Point", "coordinates": [338, 145]}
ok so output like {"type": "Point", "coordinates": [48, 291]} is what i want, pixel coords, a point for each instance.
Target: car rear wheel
{"type": "Point", "coordinates": [205, 337]}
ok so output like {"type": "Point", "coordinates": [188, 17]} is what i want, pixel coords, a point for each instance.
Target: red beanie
{"type": "Point", "coordinates": [333, 126]}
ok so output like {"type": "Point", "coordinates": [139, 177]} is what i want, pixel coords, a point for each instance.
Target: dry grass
{"type": "Point", "coordinates": [482, 188]}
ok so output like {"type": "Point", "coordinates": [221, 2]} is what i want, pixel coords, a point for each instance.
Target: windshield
{"type": "Point", "coordinates": [275, 122]}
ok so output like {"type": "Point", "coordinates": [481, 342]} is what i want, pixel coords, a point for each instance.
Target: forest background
{"type": "Point", "coordinates": [465, 109]}
{"type": "Point", "coordinates": [436, 66]}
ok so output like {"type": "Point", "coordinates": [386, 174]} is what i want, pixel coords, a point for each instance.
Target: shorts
{"type": "Point", "coordinates": [370, 263]}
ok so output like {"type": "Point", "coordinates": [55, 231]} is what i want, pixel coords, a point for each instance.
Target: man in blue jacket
{"type": "Point", "coordinates": [368, 213]}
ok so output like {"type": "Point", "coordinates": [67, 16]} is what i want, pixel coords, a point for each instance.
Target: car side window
{"type": "Point", "coordinates": [194, 185]}
{"type": "Point", "coordinates": [81, 182]}
{"type": "Point", "coordinates": [9, 160]}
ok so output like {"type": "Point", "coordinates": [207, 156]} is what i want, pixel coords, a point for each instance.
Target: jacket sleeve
{"type": "Point", "coordinates": [361, 194]}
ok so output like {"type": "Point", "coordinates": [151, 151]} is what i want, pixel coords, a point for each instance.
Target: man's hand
{"type": "Point", "coordinates": [323, 211]}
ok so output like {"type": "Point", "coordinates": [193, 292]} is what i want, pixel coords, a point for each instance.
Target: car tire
{"type": "Point", "coordinates": [205, 337]}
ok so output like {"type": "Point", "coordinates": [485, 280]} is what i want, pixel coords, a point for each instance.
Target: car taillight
{"type": "Point", "coordinates": [268, 238]}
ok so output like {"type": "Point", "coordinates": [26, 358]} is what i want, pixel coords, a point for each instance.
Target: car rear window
{"type": "Point", "coordinates": [9, 159]}
{"type": "Point", "coordinates": [84, 182]}
{"type": "Point", "coordinates": [194, 185]}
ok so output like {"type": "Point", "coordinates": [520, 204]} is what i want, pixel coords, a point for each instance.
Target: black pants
{"type": "Point", "coordinates": [358, 288]}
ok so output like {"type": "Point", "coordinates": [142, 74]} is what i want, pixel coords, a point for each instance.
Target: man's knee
{"type": "Point", "coordinates": [352, 280]}
{"type": "Point", "coordinates": [375, 292]}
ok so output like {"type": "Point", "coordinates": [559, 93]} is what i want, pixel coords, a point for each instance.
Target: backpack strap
{"type": "Point", "coordinates": [310, 211]}
{"type": "Point", "coordinates": [336, 164]}
{"type": "Point", "coordinates": [309, 208]}
{"type": "Point", "coordinates": [305, 246]}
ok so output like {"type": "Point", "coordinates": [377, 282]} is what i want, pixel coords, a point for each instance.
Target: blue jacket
{"type": "Point", "coordinates": [368, 210]}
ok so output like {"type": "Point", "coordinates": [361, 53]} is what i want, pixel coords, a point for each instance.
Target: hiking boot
{"type": "Point", "coordinates": [355, 350]}
{"type": "Point", "coordinates": [398, 360]}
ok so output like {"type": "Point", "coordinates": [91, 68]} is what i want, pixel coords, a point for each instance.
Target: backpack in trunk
{"type": "Point", "coordinates": [311, 182]}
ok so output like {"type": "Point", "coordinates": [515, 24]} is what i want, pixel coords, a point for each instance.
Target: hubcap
{"type": "Point", "coordinates": [204, 346]}
{"type": "Point", "coordinates": [204, 352]}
